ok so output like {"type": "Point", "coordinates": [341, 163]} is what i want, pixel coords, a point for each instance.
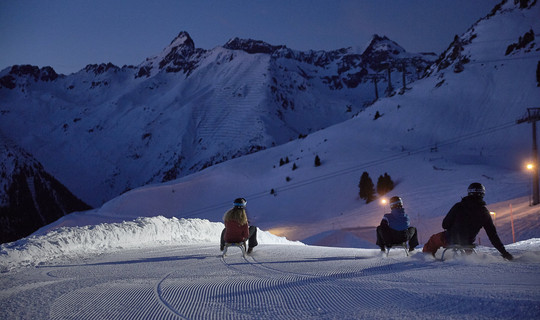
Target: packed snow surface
{"type": "Point", "coordinates": [161, 268]}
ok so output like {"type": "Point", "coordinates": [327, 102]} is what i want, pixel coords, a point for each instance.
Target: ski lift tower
{"type": "Point", "coordinates": [533, 115]}
{"type": "Point", "coordinates": [375, 78]}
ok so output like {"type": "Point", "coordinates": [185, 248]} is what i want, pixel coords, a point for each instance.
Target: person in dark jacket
{"type": "Point", "coordinates": [395, 227]}
{"type": "Point", "coordinates": [237, 228]}
{"type": "Point", "coordinates": [464, 221]}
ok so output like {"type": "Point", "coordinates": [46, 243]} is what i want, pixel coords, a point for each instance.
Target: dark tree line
{"type": "Point", "coordinates": [367, 188]}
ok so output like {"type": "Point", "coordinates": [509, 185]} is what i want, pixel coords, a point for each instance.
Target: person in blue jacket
{"type": "Point", "coordinates": [395, 227]}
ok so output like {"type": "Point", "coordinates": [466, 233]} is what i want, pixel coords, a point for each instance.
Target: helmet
{"type": "Point", "coordinates": [396, 202]}
{"type": "Point", "coordinates": [240, 203]}
{"type": "Point", "coordinates": [476, 189]}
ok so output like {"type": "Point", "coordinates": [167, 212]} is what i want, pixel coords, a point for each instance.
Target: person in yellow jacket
{"type": "Point", "coordinates": [237, 228]}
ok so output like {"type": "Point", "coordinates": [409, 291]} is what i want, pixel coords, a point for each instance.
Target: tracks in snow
{"type": "Point", "coordinates": [247, 288]}
{"type": "Point", "coordinates": [234, 287]}
{"type": "Point", "coordinates": [275, 282]}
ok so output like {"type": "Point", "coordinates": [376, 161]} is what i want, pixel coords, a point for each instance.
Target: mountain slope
{"type": "Point", "coordinates": [105, 129]}
{"type": "Point", "coordinates": [454, 127]}
{"type": "Point", "coordinates": [32, 198]}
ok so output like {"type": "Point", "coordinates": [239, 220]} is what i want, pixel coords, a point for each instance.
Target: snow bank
{"type": "Point", "coordinates": [69, 242]}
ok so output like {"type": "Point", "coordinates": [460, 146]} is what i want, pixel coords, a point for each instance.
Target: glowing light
{"type": "Point", "coordinates": [383, 201]}
{"type": "Point", "coordinates": [283, 231]}
{"type": "Point", "coordinates": [530, 166]}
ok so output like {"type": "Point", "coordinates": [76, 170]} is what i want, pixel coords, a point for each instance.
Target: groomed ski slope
{"type": "Point", "coordinates": [159, 268]}
{"type": "Point", "coordinates": [277, 282]}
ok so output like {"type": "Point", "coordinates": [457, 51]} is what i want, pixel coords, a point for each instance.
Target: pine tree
{"type": "Point", "coordinates": [367, 189]}
{"type": "Point", "coordinates": [381, 188]}
{"type": "Point", "coordinates": [389, 182]}
{"type": "Point", "coordinates": [384, 184]}
{"type": "Point", "coordinates": [317, 161]}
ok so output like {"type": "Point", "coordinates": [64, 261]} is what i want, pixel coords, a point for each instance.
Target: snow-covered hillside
{"type": "Point", "coordinates": [451, 128]}
{"type": "Point", "coordinates": [105, 129]}
{"type": "Point", "coordinates": [30, 197]}
{"type": "Point", "coordinates": [447, 130]}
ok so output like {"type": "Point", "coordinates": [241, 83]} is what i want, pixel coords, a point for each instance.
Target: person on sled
{"type": "Point", "coordinates": [464, 221]}
{"type": "Point", "coordinates": [395, 227]}
{"type": "Point", "coordinates": [237, 228]}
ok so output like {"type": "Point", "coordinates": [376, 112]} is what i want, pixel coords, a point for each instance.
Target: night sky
{"type": "Point", "coordinates": [69, 34]}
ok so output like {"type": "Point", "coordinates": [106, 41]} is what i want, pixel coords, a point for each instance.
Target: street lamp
{"type": "Point", "coordinates": [494, 215]}
{"type": "Point", "coordinates": [530, 167]}
{"type": "Point", "coordinates": [533, 115]}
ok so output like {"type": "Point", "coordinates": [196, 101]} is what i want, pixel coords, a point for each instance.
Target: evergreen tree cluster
{"type": "Point", "coordinates": [283, 162]}
{"type": "Point", "coordinates": [367, 188]}
{"type": "Point", "coordinates": [384, 184]}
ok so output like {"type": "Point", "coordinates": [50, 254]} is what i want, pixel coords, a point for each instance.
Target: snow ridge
{"type": "Point", "coordinates": [145, 232]}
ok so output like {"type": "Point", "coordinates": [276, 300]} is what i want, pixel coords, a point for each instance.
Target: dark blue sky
{"type": "Point", "coordinates": [69, 34]}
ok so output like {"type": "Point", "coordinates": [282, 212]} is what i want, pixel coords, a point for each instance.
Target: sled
{"type": "Point", "coordinates": [241, 245]}
{"type": "Point", "coordinates": [461, 249]}
{"type": "Point", "coordinates": [402, 245]}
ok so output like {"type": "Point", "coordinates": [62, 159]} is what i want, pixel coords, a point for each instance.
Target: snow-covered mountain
{"type": "Point", "coordinates": [31, 197]}
{"type": "Point", "coordinates": [454, 127]}
{"type": "Point", "coordinates": [106, 129]}
{"type": "Point", "coordinates": [451, 128]}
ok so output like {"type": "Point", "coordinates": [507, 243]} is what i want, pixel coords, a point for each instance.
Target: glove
{"type": "Point", "coordinates": [507, 255]}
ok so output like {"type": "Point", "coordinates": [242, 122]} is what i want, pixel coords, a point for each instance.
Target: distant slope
{"type": "Point", "coordinates": [454, 127]}
{"type": "Point", "coordinates": [105, 129]}
{"type": "Point", "coordinates": [32, 198]}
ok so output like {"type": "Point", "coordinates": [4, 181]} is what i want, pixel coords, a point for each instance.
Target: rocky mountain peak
{"type": "Point", "coordinates": [27, 72]}
{"type": "Point", "coordinates": [183, 40]}
{"type": "Point", "coordinates": [179, 50]}
{"type": "Point", "coordinates": [100, 68]}
{"type": "Point", "coordinates": [383, 45]}
{"type": "Point", "coordinates": [174, 58]}
{"type": "Point", "coordinates": [252, 46]}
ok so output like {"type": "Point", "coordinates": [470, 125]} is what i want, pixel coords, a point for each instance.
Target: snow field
{"type": "Point", "coordinates": [277, 282]}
